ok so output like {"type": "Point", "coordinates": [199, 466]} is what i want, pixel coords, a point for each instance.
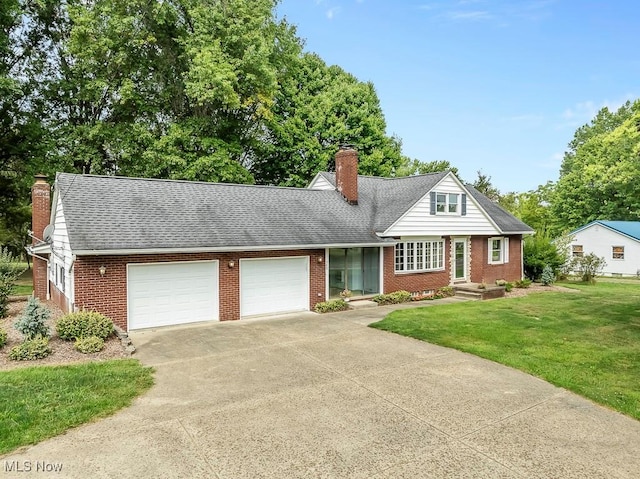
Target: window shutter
{"type": "Point", "coordinates": [433, 203]}
{"type": "Point", "coordinates": [464, 204]}
{"type": "Point", "coordinates": [505, 253]}
{"type": "Point", "coordinates": [489, 246]}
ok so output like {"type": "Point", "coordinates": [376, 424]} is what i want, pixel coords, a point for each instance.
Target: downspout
{"type": "Point", "coordinates": [521, 256]}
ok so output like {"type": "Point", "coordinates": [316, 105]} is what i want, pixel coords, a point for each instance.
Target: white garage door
{"type": "Point", "coordinates": [274, 285]}
{"type": "Point", "coordinates": [162, 294]}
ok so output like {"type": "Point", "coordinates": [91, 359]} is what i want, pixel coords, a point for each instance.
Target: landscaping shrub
{"type": "Point", "coordinates": [548, 277]}
{"type": "Point", "coordinates": [31, 349]}
{"type": "Point", "coordinates": [523, 283]}
{"type": "Point", "coordinates": [91, 344]}
{"type": "Point", "coordinates": [10, 270]}
{"type": "Point", "coordinates": [508, 286]}
{"type": "Point", "coordinates": [445, 292]}
{"type": "Point", "coordinates": [331, 306]}
{"type": "Point", "coordinates": [392, 298]}
{"type": "Point", "coordinates": [588, 267]}
{"type": "Point", "coordinates": [33, 321]}
{"type": "Point", "coordinates": [83, 324]}
{"type": "Point", "coordinates": [3, 338]}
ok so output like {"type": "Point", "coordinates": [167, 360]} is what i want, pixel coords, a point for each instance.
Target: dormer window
{"type": "Point", "coordinates": [448, 203]}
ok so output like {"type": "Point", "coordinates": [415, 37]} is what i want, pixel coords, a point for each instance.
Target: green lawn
{"type": "Point", "coordinates": [24, 284]}
{"type": "Point", "coordinates": [588, 342]}
{"type": "Point", "coordinates": [43, 401]}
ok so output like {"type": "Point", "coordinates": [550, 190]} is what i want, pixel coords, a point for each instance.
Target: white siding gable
{"type": "Point", "coordinates": [418, 220]}
{"type": "Point", "coordinates": [600, 241]}
{"type": "Point", "coordinates": [320, 183]}
{"type": "Point", "coordinates": [61, 254]}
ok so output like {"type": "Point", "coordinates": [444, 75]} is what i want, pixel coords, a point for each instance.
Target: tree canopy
{"type": "Point", "coordinates": [203, 90]}
{"type": "Point", "coordinates": [600, 173]}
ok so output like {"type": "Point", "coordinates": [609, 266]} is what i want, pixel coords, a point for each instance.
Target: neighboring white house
{"type": "Point", "coordinates": [618, 242]}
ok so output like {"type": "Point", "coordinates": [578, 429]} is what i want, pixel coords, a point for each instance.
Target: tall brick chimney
{"type": "Point", "coordinates": [347, 173]}
{"type": "Point", "coordinates": [40, 214]}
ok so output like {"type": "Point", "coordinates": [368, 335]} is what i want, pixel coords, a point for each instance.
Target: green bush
{"type": "Point", "coordinates": [33, 321]}
{"type": "Point", "coordinates": [331, 306]}
{"type": "Point", "coordinates": [10, 270]}
{"type": "Point", "coordinates": [31, 349]}
{"type": "Point", "coordinates": [3, 338]}
{"type": "Point", "coordinates": [588, 267]}
{"type": "Point", "coordinates": [548, 277]}
{"type": "Point", "coordinates": [508, 286]}
{"type": "Point", "coordinates": [392, 298]}
{"type": "Point", "coordinates": [91, 344]}
{"type": "Point", "coordinates": [523, 283]}
{"type": "Point", "coordinates": [445, 292]}
{"type": "Point", "coordinates": [83, 324]}
{"type": "Point", "coordinates": [539, 251]}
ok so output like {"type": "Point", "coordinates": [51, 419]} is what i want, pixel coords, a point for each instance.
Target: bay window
{"type": "Point", "coordinates": [420, 256]}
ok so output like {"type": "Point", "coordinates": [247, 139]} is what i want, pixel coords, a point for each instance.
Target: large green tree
{"type": "Point", "coordinates": [600, 173]}
{"type": "Point", "coordinates": [317, 108]}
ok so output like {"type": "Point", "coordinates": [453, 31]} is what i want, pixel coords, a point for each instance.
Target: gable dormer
{"type": "Point", "coordinates": [446, 209]}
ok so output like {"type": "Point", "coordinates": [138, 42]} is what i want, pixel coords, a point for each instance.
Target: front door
{"type": "Point", "coordinates": [460, 260]}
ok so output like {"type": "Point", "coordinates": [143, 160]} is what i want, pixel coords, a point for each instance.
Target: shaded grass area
{"type": "Point", "coordinates": [588, 343]}
{"type": "Point", "coordinates": [40, 402]}
{"type": "Point", "coordinates": [24, 284]}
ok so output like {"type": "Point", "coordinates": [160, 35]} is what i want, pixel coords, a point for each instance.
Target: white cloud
{"type": "Point", "coordinates": [583, 112]}
{"type": "Point", "coordinates": [332, 12]}
{"type": "Point", "coordinates": [475, 15]}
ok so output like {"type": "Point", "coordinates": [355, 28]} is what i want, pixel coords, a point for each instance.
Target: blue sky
{"type": "Point", "coordinates": [491, 85]}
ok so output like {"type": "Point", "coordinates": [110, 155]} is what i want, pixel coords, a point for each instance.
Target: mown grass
{"type": "Point", "coordinates": [588, 342]}
{"type": "Point", "coordinates": [24, 284]}
{"type": "Point", "coordinates": [41, 402]}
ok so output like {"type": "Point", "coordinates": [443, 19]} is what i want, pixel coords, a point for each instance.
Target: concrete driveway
{"type": "Point", "coordinates": [324, 396]}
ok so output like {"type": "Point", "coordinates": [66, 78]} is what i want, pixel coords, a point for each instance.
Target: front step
{"type": "Point", "coordinates": [468, 295]}
{"type": "Point", "coordinates": [362, 303]}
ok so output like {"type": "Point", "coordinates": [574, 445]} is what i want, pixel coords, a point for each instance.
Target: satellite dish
{"type": "Point", "coordinates": [47, 234]}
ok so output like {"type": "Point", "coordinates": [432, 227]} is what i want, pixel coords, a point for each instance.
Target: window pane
{"type": "Point", "coordinates": [410, 257]}
{"type": "Point", "coordinates": [618, 252]}
{"type": "Point", "coordinates": [420, 255]}
{"type": "Point", "coordinates": [496, 250]}
{"type": "Point", "coordinates": [427, 255]}
{"type": "Point", "coordinates": [440, 254]}
{"type": "Point", "coordinates": [441, 202]}
{"type": "Point", "coordinates": [400, 257]}
{"type": "Point", "coordinates": [453, 203]}
{"type": "Point", "coordinates": [577, 250]}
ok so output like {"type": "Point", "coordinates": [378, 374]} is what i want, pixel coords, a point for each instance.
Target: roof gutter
{"type": "Point", "coordinates": [225, 249]}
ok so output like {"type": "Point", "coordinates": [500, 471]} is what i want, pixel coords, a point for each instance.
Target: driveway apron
{"type": "Point", "coordinates": [306, 395]}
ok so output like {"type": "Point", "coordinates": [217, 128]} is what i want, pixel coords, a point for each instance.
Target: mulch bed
{"type": "Point", "coordinates": [62, 351]}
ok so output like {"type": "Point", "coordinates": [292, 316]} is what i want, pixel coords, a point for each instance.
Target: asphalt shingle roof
{"type": "Point", "coordinates": [117, 213]}
{"type": "Point", "coordinates": [501, 217]}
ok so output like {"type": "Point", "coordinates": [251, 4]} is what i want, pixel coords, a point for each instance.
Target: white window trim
{"type": "Point", "coordinates": [504, 250]}
{"type": "Point", "coordinates": [446, 211]}
{"type": "Point", "coordinates": [435, 259]}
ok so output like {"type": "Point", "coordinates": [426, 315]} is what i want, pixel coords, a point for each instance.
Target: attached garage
{"type": "Point", "coordinates": [274, 285]}
{"type": "Point", "coordinates": [162, 294]}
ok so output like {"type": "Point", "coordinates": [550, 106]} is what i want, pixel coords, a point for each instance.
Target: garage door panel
{"type": "Point", "coordinates": [274, 285]}
{"type": "Point", "coordinates": [163, 294]}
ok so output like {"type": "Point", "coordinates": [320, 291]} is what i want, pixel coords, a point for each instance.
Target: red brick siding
{"type": "Point", "coordinates": [108, 294]}
{"type": "Point", "coordinates": [40, 214]}
{"type": "Point", "coordinates": [415, 282]}
{"type": "Point", "coordinates": [58, 297]}
{"type": "Point", "coordinates": [483, 272]}
{"type": "Point", "coordinates": [347, 174]}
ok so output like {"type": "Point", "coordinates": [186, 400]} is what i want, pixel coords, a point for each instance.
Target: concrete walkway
{"type": "Point", "coordinates": [309, 396]}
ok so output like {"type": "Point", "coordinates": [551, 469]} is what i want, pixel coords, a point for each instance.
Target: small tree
{"type": "Point", "coordinates": [10, 270]}
{"type": "Point", "coordinates": [548, 276]}
{"type": "Point", "coordinates": [539, 251]}
{"type": "Point", "coordinates": [33, 322]}
{"type": "Point", "coordinates": [589, 267]}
